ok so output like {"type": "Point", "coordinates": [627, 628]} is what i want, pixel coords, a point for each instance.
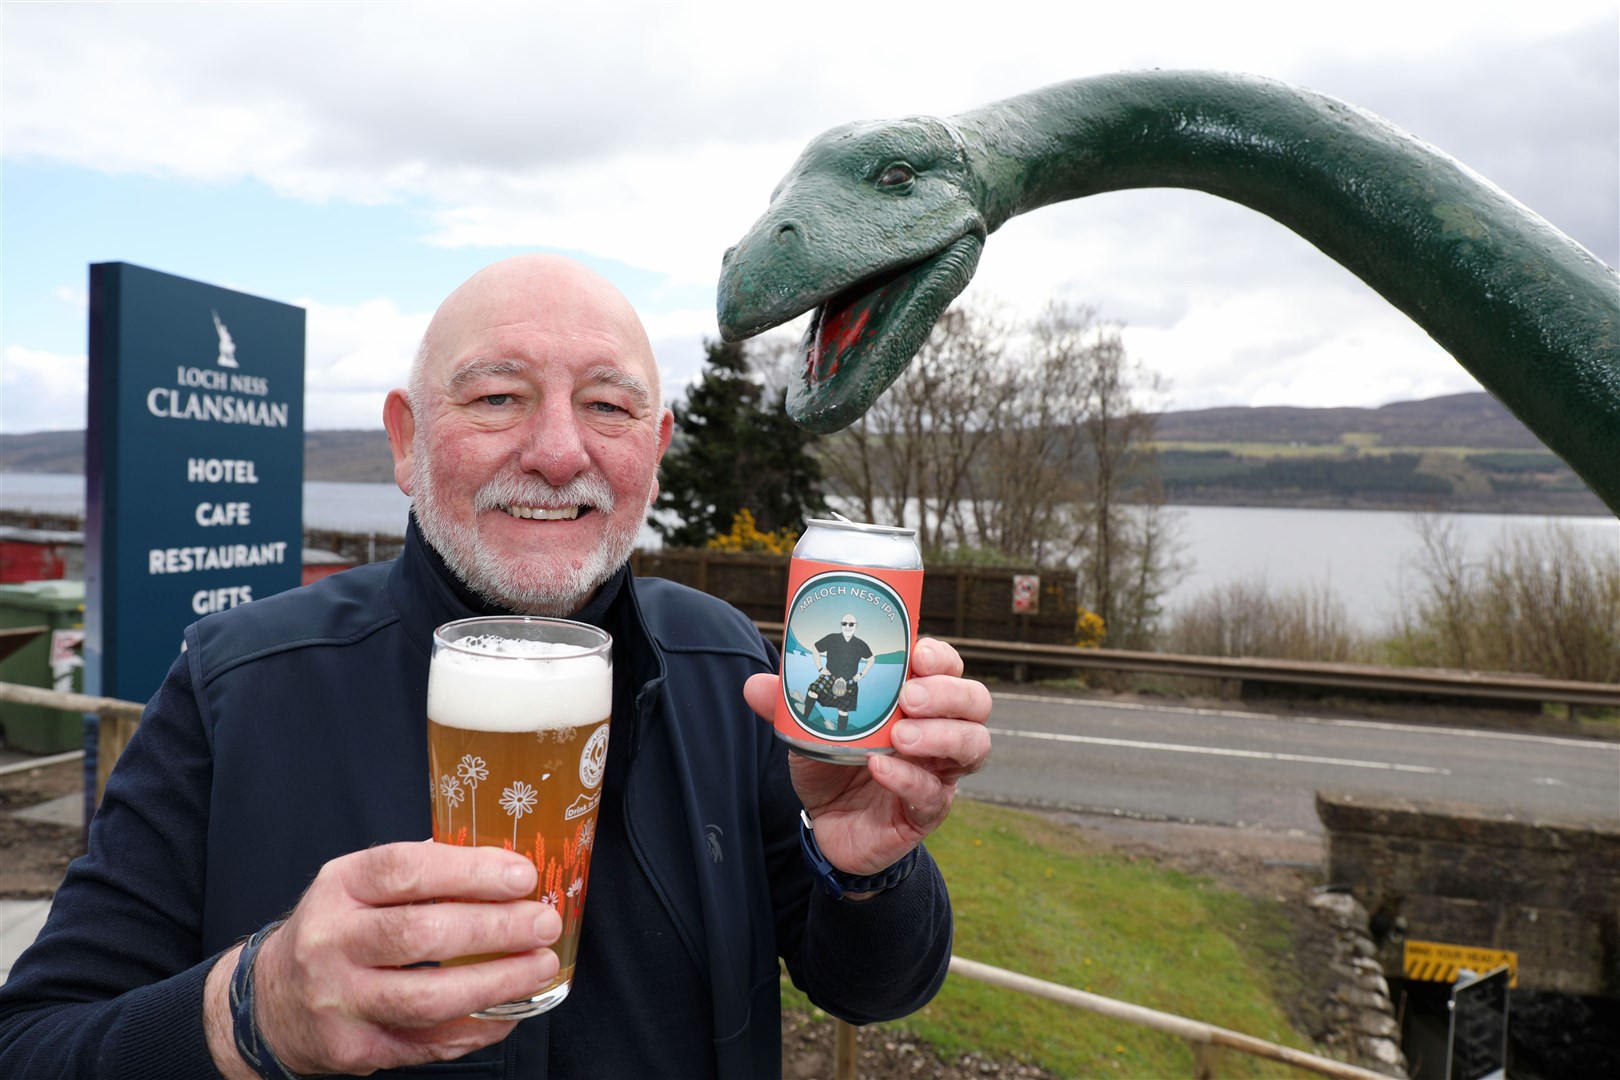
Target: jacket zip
{"type": "Point", "coordinates": [641, 860]}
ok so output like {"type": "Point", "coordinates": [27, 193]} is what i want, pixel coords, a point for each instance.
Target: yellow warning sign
{"type": "Point", "coordinates": [1435, 961]}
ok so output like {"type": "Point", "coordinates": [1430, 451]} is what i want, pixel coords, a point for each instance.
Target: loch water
{"type": "Point", "coordinates": [1369, 558]}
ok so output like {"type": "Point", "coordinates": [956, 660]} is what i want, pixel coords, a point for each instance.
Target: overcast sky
{"type": "Point", "coordinates": [360, 160]}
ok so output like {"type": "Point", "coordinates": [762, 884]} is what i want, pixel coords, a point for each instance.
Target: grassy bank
{"type": "Point", "coordinates": [1031, 898]}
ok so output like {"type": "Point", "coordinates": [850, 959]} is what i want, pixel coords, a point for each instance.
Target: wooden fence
{"type": "Point", "coordinates": [957, 601]}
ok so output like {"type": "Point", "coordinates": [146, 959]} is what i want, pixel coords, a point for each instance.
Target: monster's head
{"type": "Point", "coordinates": [876, 227]}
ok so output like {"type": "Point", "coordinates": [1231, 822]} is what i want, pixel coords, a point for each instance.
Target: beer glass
{"type": "Point", "coordinates": [518, 712]}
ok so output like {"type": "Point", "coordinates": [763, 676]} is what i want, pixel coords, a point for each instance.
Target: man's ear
{"type": "Point", "coordinates": [400, 422]}
{"type": "Point", "coordinates": [666, 432]}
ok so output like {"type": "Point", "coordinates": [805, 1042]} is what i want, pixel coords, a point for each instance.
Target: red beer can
{"type": "Point", "coordinates": [853, 596]}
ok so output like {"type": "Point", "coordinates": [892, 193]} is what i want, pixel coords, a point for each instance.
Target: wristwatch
{"type": "Point", "coordinates": [835, 881]}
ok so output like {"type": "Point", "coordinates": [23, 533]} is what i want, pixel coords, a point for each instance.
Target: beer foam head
{"type": "Point", "coordinates": [491, 683]}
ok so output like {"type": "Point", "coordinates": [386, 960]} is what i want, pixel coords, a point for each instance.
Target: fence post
{"type": "Point", "coordinates": [844, 1050]}
{"type": "Point", "coordinates": [961, 601]}
{"type": "Point", "coordinates": [1206, 1059]}
{"type": "Point", "coordinates": [1021, 671]}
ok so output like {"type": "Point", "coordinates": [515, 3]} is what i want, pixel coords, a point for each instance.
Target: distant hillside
{"type": "Point", "coordinates": [43, 452]}
{"type": "Point", "coordinates": [1459, 452]}
{"type": "Point", "coordinates": [349, 456]}
{"type": "Point", "coordinates": [1474, 420]}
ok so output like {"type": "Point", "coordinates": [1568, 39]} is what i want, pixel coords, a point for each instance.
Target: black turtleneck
{"type": "Point", "coordinates": [593, 612]}
{"type": "Point", "coordinates": [629, 950]}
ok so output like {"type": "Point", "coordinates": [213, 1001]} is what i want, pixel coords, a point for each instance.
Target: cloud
{"type": "Point", "coordinates": [341, 101]}
{"type": "Point", "coordinates": [668, 211]}
{"type": "Point", "coordinates": [73, 296]}
{"type": "Point", "coordinates": [355, 355]}
{"type": "Point", "coordinates": [1538, 116]}
{"type": "Point", "coordinates": [42, 391]}
{"type": "Point", "coordinates": [651, 135]}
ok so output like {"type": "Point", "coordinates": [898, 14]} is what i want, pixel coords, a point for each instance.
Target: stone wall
{"type": "Point", "coordinates": [1547, 891]}
{"type": "Point", "coordinates": [1365, 1030]}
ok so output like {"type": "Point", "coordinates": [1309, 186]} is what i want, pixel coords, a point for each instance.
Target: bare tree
{"type": "Point", "coordinates": [1029, 442]}
{"type": "Point", "coordinates": [1128, 553]}
{"type": "Point", "coordinates": [1450, 606]}
{"type": "Point", "coordinates": [1022, 494]}
{"type": "Point", "coordinates": [969, 389]}
{"type": "Point", "coordinates": [910, 457]}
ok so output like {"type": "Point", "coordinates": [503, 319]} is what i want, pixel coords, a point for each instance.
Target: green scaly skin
{"type": "Point", "coordinates": [1529, 312]}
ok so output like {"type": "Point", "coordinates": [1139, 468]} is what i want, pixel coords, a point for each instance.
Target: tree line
{"type": "Point", "coordinates": [1004, 442]}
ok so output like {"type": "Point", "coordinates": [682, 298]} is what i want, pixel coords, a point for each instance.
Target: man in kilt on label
{"type": "Point", "coordinates": [844, 661]}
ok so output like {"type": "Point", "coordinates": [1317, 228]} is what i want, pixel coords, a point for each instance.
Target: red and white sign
{"type": "Point", "coordinates": [1026, 594]}
{"type": "Point", "coordinates": [65, 645]}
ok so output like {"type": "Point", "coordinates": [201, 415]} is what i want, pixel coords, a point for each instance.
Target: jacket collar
{"type": "Point", "coordinates": [426, 595]}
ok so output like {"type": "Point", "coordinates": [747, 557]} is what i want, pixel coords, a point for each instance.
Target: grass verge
{"type": "Point", "coordinates": [1031, 898]}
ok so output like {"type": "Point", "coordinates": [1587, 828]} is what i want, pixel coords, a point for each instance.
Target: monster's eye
{"type": "Point", "coordinates": [896, 175]}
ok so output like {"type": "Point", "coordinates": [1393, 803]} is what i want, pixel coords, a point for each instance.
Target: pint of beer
{"type": "Point", "coordinates": [518, 712]}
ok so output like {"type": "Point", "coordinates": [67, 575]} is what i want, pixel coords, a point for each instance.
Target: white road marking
{"type": "Point", "coordinates": [1375, 725]}
{"type": "Point", "coordinates": [1220, 751]}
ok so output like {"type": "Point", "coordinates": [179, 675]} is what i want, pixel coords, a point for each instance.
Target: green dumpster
{"type": "Point", "coordinates": [49, 660]}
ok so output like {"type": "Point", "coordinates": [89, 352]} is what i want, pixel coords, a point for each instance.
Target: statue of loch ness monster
{"type": "Point", "coordinates": [880, 225]}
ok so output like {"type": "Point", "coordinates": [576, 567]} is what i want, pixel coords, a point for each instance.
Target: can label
{"type": "Point", "coordinates": [846, 652]}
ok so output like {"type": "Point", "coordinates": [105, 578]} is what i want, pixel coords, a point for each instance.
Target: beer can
{"type": "Point", "coordinates": [853, 596]}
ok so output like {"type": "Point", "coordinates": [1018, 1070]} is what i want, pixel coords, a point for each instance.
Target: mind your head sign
{"type": "Point", "coordinates": [194, 465]}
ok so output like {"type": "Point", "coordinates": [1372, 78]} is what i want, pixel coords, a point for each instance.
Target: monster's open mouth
{"type": "Point", "coordinates": [866, 334]}
{"type": "Point", "coordinates": [855, 316]}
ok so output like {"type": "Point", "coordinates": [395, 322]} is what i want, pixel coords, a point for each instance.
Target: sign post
{"type": "Point", "coordinates": [194, 467]}
{"type": "Point", "coordinates": [1476, 1048]}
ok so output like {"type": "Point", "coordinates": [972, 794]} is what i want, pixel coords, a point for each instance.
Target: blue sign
{"type": "Point", "coordinates": [194, 465]}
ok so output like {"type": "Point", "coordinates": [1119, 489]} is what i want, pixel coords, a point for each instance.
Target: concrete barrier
{"type": "Point", "coordinates": [1548, 891]}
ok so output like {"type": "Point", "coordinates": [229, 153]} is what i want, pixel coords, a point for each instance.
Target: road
{"type": "Point", "coordinates": [1255, 770]}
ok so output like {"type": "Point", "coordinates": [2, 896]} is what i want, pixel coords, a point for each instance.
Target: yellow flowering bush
{"type": "Point", "coordinates": [746, 536]}
{"type": "Point", "coordinates": [1089, 630]}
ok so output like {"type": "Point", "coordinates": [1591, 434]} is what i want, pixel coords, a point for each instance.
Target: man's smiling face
{"type": "Point", "coordinates": [530, 442]}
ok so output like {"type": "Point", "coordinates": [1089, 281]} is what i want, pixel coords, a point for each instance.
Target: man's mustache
{"type": "Point", "coordinates": [589, 489]}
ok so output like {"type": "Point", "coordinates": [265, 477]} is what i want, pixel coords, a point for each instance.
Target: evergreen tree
{"type": "Point", "coordinates": [735, 449]}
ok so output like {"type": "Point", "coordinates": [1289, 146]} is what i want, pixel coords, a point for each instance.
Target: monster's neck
{"type": "Point", "coordinates": [1533, 315]}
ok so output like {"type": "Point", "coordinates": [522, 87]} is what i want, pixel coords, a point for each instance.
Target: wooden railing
{"type": "Point", "coordinates": [118, 721]}
{"type": "Point", "coordinates": [1207, 1040]}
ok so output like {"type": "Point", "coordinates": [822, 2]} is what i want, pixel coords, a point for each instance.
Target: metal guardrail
{"type": "Point", "coordinates": [1426, 682]}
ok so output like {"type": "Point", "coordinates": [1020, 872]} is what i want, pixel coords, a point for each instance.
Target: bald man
{"type": "Point", "coordinates": [275, 791]}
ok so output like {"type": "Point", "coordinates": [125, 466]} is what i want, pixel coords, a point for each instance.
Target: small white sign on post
{"type": "Point", "coordinates": [65, 657]}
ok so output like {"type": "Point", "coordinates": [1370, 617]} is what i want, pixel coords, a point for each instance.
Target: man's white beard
{"type": "Point", "coordinates": [527, 584]}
